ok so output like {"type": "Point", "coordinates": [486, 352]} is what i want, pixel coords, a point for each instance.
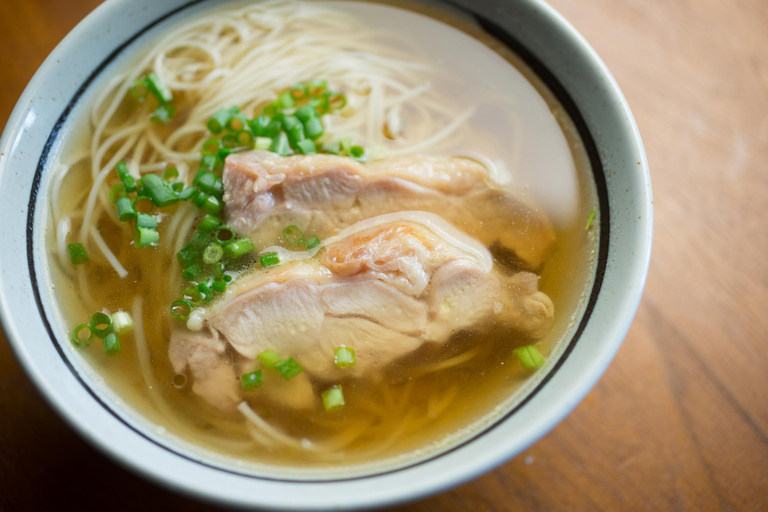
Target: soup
{"type": "Point", "coordinates": [324, 235]}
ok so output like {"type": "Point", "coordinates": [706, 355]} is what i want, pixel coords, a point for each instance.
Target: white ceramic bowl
{"type": "Point", "coordinates": [560, 56]}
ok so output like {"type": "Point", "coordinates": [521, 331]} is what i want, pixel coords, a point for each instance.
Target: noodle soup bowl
{"type": "Point", "coordinates": [560, 57]}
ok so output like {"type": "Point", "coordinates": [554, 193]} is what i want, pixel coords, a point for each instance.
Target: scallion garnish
{"type": "Point", "coordinates": [313, 128]}
{"type": "Point", "coordinates": [224, 235]}
{"type": "Point", "coordinates": [529, 357]}
{"type": "Point", "coordinates": [125, 210]}
{"type": "Point", "coordinates": [280, 144]}
{"type": "Point", "coordinates": [111, 344]}
{"type": "Point", "coordinates": [143, 204]}
{"type": "Point", "coordinates": [101, 324]}
{"type": "Point", "coordinates": [158, 88]}
{"type": "Point", "coordinates": [181, 309]}
{"type": "Point", "coordinates": [77, 254]}
{"type": "Point", "coordinates": [306, 147]}
{"type": "Point", "coordinates": [333, 398]}
{"type": "Point", "coordinates": [219, 120]}
{"type": "Point", "coordinates": [312, 243]}
{"type": "Point", "coordinates": [269, 259]}
{"type": "Point", "coordinates": [116, 192]}
{"type": "Point", "coordinates": [208, 223]}
{"type": "Point", "coordinates": [263, 143]}
{"type": "Point", "coordinates": [125, 176]}
{"type": "Point", "coordinates": [122, 322]}
{"type": "Point", "coordinates": [144, 220]}
{"type": "Point", "coordinates": [288, 368]}
{"type": "Point", "coordinates": [293, 235]}
{"type": "Point", "coordinates": [212, 254]}
{"type": "Point", "coordinates": [344, 357]}
{"type": "Point", "coordinates": [589, 220]}
{"type": "Point", "coordinates": [146, 237]}
{"type": "Point", "coordinates": [163, 114]}
{"type": "Point", "coordinates": [317, 88]}
{"type": "Point", "coordinates": [158, 190]}
{"type": "Point", "coordinates": [170, 174]}
{"type": "Point", "coordinates": [269, 358]}
{"type": "Point", "coordinates": [82, 335]}
{"type": "Point", "coordinates": [251, 380]}
{"type": "Point", "coordinates": [238, 248]}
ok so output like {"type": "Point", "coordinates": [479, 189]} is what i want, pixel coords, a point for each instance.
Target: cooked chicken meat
{"type": "Point", "coordinates": [384, 286]}
{"type": "Point", "coordinates": [320, 194]}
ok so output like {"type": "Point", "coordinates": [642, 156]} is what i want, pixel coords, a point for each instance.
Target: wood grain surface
{"type": "Point", "coordinates": [680, 419]}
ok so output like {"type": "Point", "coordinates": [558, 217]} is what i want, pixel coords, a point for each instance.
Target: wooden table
{"type": "Point", "coordinates": [680, 419]}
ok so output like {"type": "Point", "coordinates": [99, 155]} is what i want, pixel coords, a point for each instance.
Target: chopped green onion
{"type": "Point", "coordinates": [209, 183]}
{"type": "Point", "coordinates": [589, 220]}
{"type": "Point", "coordinates": [122, 322]}
{"type": "Point", "coordinates": [313, 128]}
{"type": "Point", "coordinates": [125, 176]}
{"type": "Point", "coordinates": [188, 193]}
{"type": "Point", "coordinates": [288, 368]}
{"type": "Point", "coordinates": [280, 144]}
{"type": "Point", "coordinates": [218, 121]}
{"type": "Point", "coordinates": [139, 89]}
{"type": "Point", "coordinates": [344, 356]}
{"type": "Point", "coordinates": [180, 309]}
{"type": "Point", "coordinates": [305, 113]}
{"type": "Point", "coordinates": [259, 125]}
{"type": "Point", "coordinates": [125, 210]}
{"type": "Point", "coordinates": [77, 254]}
{"type": "Point", "coordinates": [299, 91]}
{"type": "Point", "coordinates": [269, 259]}
{"type": "Point", "coordinates": [101, 324]}
{"type": "Point", "coordinates": [227, 278]}
{"type": "Point", "coordinates": [208, 163]}
{"type": "Point", "coordinates": [192, 295]}
{"type": "Point", "coordinates": [158, 190]}
{"type": "Point", "coordinates": [163, 114]}
{"type": "Point", "coordinates": [144, 220]}
{"type": "Point", "coordinates": [211, 146]}
{"type": "Point", "coordinates": [238, 248]}
{"type": "Point", "coordinates": [251, 380]}
{"type": "Point", "coordinates": [199, 199]}
{"type": "Point", "coordinates": [170, 174]}
{"type": "Point", "coordinates": [219, 286]}
{"type": "Point", "coordinates": [296, 133]}
{"type": "Point", "coordinates": [188, 255]}
{"type": "Point", "coordinates": [200, 239]}
{"type": "Point", "coordinates": [178, 187]}
{"type": "Point", "coordinates": [262, 143]}
{"type": "Point", "coordinates": [529, 357]}
{"type": "Point", "coordinates": [143, 204]}
{"type": "Point", "coordinates": [244, 138]}
{"type": "Point", "coordinates": [306, 147]}
{"type": "Point", "coordinates": [293, 235]}
{"type": "Point", "coordinates": [212, 254]}
{"type": "Point", "coordinates": [289, 123]}
{"type": "Point", "coordinates": [336, 100]}
{"type": "Point", "coordinates": [205, 290]}
{"type": "Point", "coordinates": [158, 88]}
{"type": "Point", "coordinates": [111, 344]}
{"type": "Point", "coordinates": [237, 123]}
{"type": "Point", "coordinates": [320, 105]}
{"type": "Point", "coordinates": [333, 148]}
{"type": "Point", "coordinates": [317, 88]}
{"type": "Point", "coordinates": [269, 358]}
{"type": "Point", "coordinates": [273, 128]}
{"type": "Point", "coordinates": [333, 398]}
{"type": "Point", "coordinates": [146, 237]}
{"type": "Point", "coordinates": [208, 223]}
{"type": "Point", "coordinates": [192, 272]}
{"type": "Point", "coordinates": [270, 110]}
{"type": "Point", "coordinates": [313, 242]}
{"type": "Point", "coordinates": [285, 100]}
{"type": "Point", "coordinates": [229, 141]}
{"type": "Point", "coordinates": [212, 205]}
{"type": "Point", "coordinates": [82, 335]}
{"type": "Point", "coordinates": [224, 234]}
{"type": "Point", "coordinates": [344, 144]}
{"type": "Point", "coordinates": [357, 152]}
{"type": "Point", "coordinates": [116, 192]}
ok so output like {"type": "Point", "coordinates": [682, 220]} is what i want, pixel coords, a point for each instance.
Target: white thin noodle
{"type": "Point", "coordinates": [246, 57]}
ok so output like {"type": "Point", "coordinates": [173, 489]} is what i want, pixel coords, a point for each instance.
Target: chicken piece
{"type": "Point", "coordinates": [214, 378]}
{"type": "Point", "coordinates": [384, 287]}
{"type": "Point", "coordinates": [320, 194]}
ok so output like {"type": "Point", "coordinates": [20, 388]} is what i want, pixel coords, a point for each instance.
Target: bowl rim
{"type": "Point", "coordinates": [608, 349]}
